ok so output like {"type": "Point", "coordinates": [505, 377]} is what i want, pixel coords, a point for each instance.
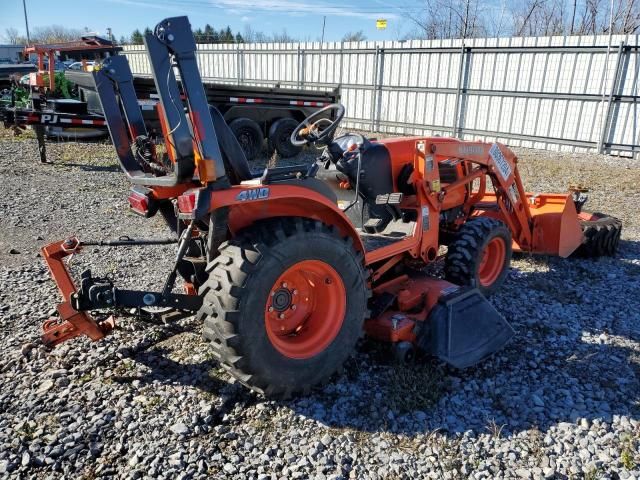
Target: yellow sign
{"type": "Point", "coordinates": [381, 24]}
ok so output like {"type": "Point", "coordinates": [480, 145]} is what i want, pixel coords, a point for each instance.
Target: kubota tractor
{"type": "Point", "coordinates": [288, 267]}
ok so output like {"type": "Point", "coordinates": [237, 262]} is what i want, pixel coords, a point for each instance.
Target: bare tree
{"type": "Point", "coordinates": [55, 34]}
{"type": "Point", "coordinates": [450, 19]}
{"type": "Point", "coordinates": [253, 36]}
{"type": "Point", "coordinates": [13, 37]}
{"type": "Point", "coordinates": [282, 37]}
{"type": "Point", "coordinates": [358, 36]}
{"type": "Point", "coordinates": [466, 18]}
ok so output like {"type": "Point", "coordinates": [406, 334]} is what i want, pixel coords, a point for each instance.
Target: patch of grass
{"type": "Point", "coordinates": [630, 450]}
{"type": "Point", "coordinates": [124, 368]}
{"type": "Point", "coordinates": [407, 388]}
{"type": "Point", "coordinates": [87, 377]}
{"type": "Point", "coordinates": [494, 429]}
{"type": "Point", "coordinates": [27, 431]}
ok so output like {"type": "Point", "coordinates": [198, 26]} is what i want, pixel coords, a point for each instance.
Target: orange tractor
{"type": "Point", "coordinates": [288, 267]}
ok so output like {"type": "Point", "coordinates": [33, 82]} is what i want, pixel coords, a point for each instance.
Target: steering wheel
{"type": "Point", "coordinates": [316, 129]}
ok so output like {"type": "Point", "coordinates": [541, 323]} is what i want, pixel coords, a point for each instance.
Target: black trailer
{"type": "Point", "coordinates": [252, 113]}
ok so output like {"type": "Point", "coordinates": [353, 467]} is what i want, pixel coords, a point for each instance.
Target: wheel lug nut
{"type": "Point", "coordinates": [281, 315]}
{"type": "Point", "coordinates": [293, 307]}
{"type": "Point", "coordinates": [284, 284]}
{"type": "Point", "coordinates": [271, 309]}
{"type": "Point", "coordinates": [295, 292]}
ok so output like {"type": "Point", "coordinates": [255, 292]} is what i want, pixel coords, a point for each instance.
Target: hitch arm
{"type": "Point", "coordinates": [72, 323]}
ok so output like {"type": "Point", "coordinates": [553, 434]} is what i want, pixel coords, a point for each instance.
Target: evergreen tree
{"type": "Point", "coordinates": [210, 34]}
{"type": "Point", "coordinates": [227, 37]}
{"type": "Point", "coordinates": [198, 35]}
{"type": "Point", "coordinates": [136, 37]}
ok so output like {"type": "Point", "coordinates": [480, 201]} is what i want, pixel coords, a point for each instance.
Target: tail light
{"type": "Point", "coordinates": [188, 201]}
{"type": "Point", "coordinates": [141, 202]}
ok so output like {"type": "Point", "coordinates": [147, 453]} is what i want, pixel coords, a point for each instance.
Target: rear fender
{"type": "Point", "coordinates": [249, 204]}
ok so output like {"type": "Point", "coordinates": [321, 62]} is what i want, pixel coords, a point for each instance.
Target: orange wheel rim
{"type": "Point", "coordinates": [305, 309]}
{"type": "Point", "coordinates": [492, 261]}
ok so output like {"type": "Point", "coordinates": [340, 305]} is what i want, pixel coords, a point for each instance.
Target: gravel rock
{"type": "Point", "coordinates": [179, 429]}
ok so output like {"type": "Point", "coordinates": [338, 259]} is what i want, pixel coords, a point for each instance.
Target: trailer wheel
{"type": "Point", "coordinates": [249, 135]}
{"type": "Point", "coordinates": [280, 137]}
{"type": "Point", "coordinates": [479, 255]}
{"type": "Point", "coordinates": [284, 305]}
{"type": "Point", "coordinates": [600, 235]}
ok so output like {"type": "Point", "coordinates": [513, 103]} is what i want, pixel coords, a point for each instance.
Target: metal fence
{"type": "Point", "coordinates": [562, 93]}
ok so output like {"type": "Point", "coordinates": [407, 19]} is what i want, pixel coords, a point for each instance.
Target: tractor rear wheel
{"type": "Point", "coordinates": [284, 305]}
{"type": "Point", "coordinates": [479, 255]}
{"type": "Point", "coordinates": [600, 235]}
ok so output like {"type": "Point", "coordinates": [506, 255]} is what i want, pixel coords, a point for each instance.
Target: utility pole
{"type": "Point", "coordinates": [324, 22]}
{"type": "Point", "coordinates": [26, 22]}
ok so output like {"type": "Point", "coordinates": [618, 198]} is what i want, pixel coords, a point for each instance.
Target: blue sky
{"type": "Point", "coordinates": [301, 18]}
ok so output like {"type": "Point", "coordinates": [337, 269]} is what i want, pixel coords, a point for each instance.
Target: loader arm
{"type": "Point", "coordinates": [538, 223]}
{"type": "Point", "coordinates": [190, 136]}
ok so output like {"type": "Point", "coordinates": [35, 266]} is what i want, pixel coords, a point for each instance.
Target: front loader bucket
{"type": "Point", "coordinates": [464, 328]}
{"type": "Point", "coordinates": [556, 225]}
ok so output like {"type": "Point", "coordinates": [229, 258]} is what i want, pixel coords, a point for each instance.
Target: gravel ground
{"type": "Point", "coordinates": [561, 400]}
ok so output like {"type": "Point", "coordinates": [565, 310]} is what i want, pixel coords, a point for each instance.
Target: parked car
{"type": "Point", "coordinates": [77, 66]}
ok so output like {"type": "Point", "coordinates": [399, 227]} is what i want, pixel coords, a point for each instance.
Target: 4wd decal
{"type": "Point", "coordinates": [253, 194]}
{"type": "Point", "coordinates": [501, 163]}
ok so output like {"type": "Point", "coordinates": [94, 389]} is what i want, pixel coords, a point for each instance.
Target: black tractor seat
{"type": "Point", "coordinates": [235, 161]}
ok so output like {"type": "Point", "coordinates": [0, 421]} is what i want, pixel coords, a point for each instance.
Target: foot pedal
{"type": "Point", "coordinates": [373, 225]}
{"type": "Point", "coordinates": [389, 199]}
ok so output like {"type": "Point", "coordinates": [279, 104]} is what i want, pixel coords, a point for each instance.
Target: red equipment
{"type": "Point", "coordinates": [48, 52]}
{"type": "Point", "coordinates": [275, 264]}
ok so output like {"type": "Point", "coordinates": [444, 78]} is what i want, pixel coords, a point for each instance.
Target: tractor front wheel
{"type": "Point", "coordinates": [600, 235]}
{"type": "Point", "coordinates": [479, 255]}
{"type": "Point", "coordinates": [284, 305]}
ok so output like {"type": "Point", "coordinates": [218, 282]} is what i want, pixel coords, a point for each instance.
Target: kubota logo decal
{"type": "Point", "coordinates": [471, 150]}
{"type": "Point", "coordinates": [253, 194]}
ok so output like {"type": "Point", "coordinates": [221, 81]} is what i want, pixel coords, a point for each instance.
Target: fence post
{"type": "Point", "coordinates": [607, 122]}
{"type": "Point", "coordinates": [298, 58]}
{"type": "Point", "coordinates": [379, 88]}
{"type": "Point", "coordinates": [374, 89]}
{"type": "Point", "coordinates": [461, 76]}
{"type": "Point", "coordinates": [238, 64]}
{"type": "Point", "coordinates": [341, 63]}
